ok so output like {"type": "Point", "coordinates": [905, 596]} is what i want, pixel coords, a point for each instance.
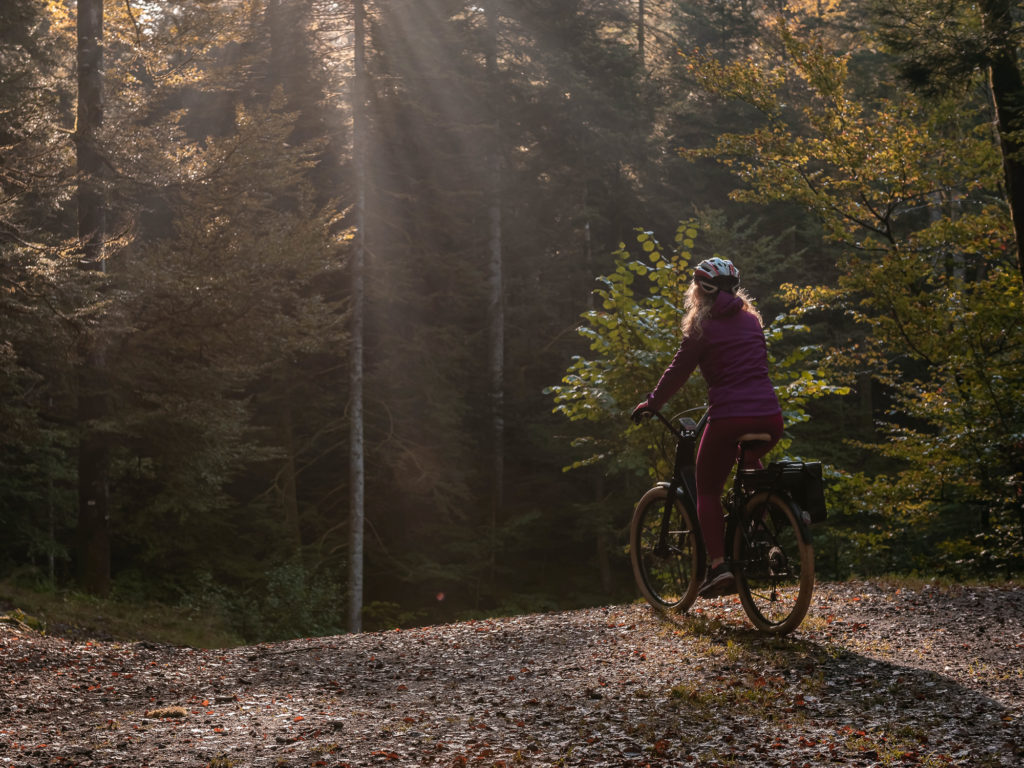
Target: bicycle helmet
{"type": "Point", "coordinates": [716, 274]}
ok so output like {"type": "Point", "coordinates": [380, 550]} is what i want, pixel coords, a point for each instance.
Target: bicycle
{"type": "Point", "coordinates": [766, 533]}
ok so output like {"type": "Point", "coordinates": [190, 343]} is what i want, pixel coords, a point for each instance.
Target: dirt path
{"type": "Point", "coordinates": [875, 677]}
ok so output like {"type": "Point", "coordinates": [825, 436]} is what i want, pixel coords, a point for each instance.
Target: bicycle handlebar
{"type": "Point", "coordinates": [675, 430]}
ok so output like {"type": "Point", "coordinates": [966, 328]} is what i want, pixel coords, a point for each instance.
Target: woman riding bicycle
{"type": "Point", "coordinates": [723, 335]}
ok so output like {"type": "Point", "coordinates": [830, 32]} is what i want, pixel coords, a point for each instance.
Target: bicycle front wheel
{"type": "Point", "coordinates": [666, 554]}
{"type": "Point", "coordinates": [773, 561]}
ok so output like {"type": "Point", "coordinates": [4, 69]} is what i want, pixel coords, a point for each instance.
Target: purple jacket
{"type": "Point", "coordinates": [733, 359]}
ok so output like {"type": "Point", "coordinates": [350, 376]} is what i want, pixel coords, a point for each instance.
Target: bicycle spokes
{"type": "Point", "coordinates": [665, 553]}
{"type": "Point", "coordinates": [775, 565]}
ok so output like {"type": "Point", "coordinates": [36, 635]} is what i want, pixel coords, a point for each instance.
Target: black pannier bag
{"type": "Point", "coordinates": [802, 480]}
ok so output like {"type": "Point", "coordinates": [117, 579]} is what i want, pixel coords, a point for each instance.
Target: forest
{"type": "Point", "coordinates": [329, 315]}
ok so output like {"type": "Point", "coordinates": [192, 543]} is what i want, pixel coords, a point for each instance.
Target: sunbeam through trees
{"type": "Point", "coordinates": [292, 291]}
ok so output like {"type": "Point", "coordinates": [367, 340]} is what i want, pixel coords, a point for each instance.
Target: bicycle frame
{"type": "Point", "coordinates": [683, 482]}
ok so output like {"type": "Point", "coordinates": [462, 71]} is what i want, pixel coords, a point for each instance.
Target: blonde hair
{"type": "Point", "coordinates": [697, 307]}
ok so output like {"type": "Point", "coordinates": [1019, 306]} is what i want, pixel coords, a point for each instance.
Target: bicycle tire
{"type": "Point", "coordinates": [773, 562]}
{"type": "Point", "coordinates": [668, 580]}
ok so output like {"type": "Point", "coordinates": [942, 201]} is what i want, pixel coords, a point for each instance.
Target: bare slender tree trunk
{"type": "Point", "coordinates": [496, 304]}
{"type": "Point", "coordinates": [357, 471]}
{"type": "Point", "coordinates": [93, 449]}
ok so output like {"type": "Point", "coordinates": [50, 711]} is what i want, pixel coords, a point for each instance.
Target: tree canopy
{"type": "Point", "coordinates": [526, 187]}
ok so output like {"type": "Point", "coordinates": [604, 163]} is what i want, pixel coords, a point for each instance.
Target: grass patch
{"type": "Point", "coordinates": [73, 614]}
{"type": "Point", "coordinates": [917, 582]}
{"type": "Point", "coordinates": [167, 712]}
{"type": "Point", "coordinates": [902, 745]}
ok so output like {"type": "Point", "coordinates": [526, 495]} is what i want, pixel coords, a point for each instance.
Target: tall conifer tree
{"type": "Point", "coordinates": [93, 449]}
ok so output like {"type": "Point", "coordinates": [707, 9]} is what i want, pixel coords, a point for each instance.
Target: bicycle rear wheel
{"type": "Point", "coordinates": [667, 569]}
{"type": "Point", "coordinates": [773, 561]}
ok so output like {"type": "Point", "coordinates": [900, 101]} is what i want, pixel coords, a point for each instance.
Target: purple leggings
{"type": "Point", "coordinates": [715, 458]}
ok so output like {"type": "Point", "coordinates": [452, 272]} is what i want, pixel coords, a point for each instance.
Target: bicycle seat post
{"type": "Point", "coordinates": [745, 442]}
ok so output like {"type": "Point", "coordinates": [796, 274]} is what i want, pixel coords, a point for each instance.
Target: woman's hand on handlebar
{"type": "Point", "coordinates": [642, 411]}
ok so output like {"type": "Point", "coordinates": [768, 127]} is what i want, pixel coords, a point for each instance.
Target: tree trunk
{"type": "Point", "coordinates": [92, 222]}
{"type": "Point", "coordinates": [496, 305]}
{"type": "Point", "coordinates": [93, 535]}
{"type": "Point", "coordinates": [602, 542]}
{"type": "Point", "coordinates": [357, 470]}
{"type": "Point", "coordinates": [287, 484]}
{"type": "Point", "coordinates": [1008, 97]}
